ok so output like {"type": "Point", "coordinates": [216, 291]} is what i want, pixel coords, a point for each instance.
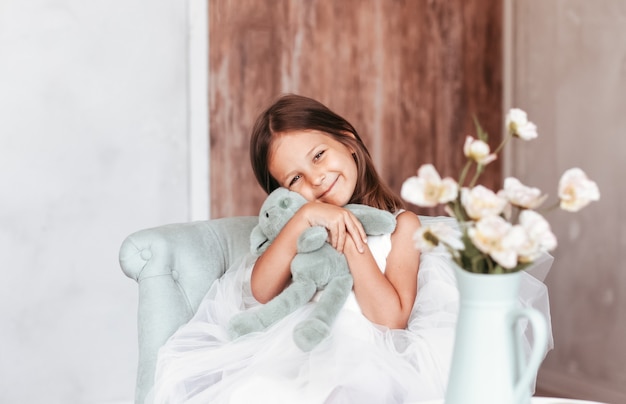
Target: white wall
{"type": "Point", "coordinates": [93, 146]}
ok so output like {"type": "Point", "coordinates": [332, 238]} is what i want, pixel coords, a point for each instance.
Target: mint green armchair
{"type": "Point", "coordinates": [174, 266]}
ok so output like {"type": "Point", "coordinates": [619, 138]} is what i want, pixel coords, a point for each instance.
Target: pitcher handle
{"type": "Point", "coordinates": [540, 342]}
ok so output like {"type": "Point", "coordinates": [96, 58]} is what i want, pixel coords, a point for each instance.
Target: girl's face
{"type": "Point", "coordinates": [314, 165]}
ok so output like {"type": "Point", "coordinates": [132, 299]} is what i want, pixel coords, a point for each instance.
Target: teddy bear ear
{"type": "Point", "coordinates": [285, 203]}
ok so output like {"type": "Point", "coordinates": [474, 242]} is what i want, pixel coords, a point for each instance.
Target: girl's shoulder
{"type": "Point", "coordinates": [407, 216]}
{"type": "Point", "coordinates": [398, 212]}
{"type": "Point", "coordinates": [407, 222]}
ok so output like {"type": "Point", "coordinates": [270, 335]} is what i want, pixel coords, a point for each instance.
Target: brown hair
{"type": "Point", "coordinates": [292, 113]}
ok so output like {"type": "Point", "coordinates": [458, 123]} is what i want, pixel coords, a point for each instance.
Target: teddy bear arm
{"type": "Point", "coordinates": [375, 221]}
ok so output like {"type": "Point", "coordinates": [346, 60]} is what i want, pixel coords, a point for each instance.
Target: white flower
{"type": "Point", "coordinates": [521, 195]}
{"type": "Point", "coordinates": [428, 189]}
{"type": "Point", "coordinates": [500, 231]}
{"type": "Point", "coordinates": [495, 236]}
{"type": "Point", "coordinates": [481, 202]}
{"type": "Point", "coordinates": [539, 236]}
{"type": "Point", "coordinates": [428, 237]}
{"type": "Point", "coordinates": [478, 151]}
{"type": "Point", "coordinates": [576, 190]}
{"type": "Point", "coordinates": [517, 124]}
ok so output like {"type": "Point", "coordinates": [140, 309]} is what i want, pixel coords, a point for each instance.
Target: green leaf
{"type": "Point", "coordinates": [480, 133]}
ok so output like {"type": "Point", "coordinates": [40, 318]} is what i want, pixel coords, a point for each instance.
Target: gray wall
{"type": "Point", "coordinates": [568, 70]}
{"type": "Point", "coordinates": [93, 146]}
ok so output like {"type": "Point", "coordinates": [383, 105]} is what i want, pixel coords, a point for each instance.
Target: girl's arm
{"type": "Point", "coordinates": [271, 272]}
{"type": "Point", "coordinates": [387, 299]}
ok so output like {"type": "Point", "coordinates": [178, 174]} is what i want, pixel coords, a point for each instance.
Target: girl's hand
{"type": "Point", "coordinates": [340, 223]}
{"type": "Point", "coordinates": [271, 272]}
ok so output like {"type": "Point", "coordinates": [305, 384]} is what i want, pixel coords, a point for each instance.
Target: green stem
{"type": "Point", "coordinates": [550, 208]}
{"type": "Point", "coordinates": [479, 170]}
{"type": "Point", "coordinates": [504, 141]}
{"type": "Point", "coordinates": [457, 209]}
{"type": "Point", "coordinates": [464, 173]}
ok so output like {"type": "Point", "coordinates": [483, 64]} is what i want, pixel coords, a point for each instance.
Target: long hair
{"type": "Point", "coordinates": [294, 113]}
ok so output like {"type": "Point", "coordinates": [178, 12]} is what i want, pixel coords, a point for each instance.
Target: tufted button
{"type": "Point", "coordinates": [146, 254]}
{"type": "Point", "coordinates": [175, 275]}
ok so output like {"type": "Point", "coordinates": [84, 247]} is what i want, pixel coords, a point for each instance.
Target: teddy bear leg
{"type": "Point", "coordinates": [295, 295]}
{"type": "Point", "coordinates": [310, 332]}
{"type": "Point", "coordinates": [244, 323]}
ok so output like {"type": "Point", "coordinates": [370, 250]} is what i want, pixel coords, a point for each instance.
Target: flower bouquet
{"type": "Point", "coordinates": [499, 232]}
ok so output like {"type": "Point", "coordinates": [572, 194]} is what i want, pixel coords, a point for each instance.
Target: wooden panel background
{"type": "Point", "coordinates": [409, 75]}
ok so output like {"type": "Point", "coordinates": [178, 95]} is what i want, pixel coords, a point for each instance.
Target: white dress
{"type": "Point", "coordinates": [360, 362]}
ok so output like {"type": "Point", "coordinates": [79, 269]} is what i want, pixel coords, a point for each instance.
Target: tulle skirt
{"type": "Point", "coordinates": [360, 362]}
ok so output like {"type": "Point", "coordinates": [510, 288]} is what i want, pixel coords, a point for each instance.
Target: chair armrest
{"type": "Point", "coordinates": [174, 266]}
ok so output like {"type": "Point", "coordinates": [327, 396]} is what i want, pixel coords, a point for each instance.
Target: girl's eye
{"type": "Point", "coordinates": [294, 180]}
{"type": "Point", "coordinates": [318, 155]}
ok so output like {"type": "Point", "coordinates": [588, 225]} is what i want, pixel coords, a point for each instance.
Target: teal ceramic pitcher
{"type": "Point", "coordinates": [488, 362]}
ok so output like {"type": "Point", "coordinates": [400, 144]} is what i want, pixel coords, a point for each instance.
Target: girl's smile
{"type": "Point", "coordinates": [327, 190]}
{"type": "Point", "coordinates": [315, 165]}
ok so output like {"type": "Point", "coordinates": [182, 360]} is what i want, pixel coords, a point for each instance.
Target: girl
{"type": "Point", "coordinates": [392, 341]}
{"type": "Point", "coordinates": [300, 144]}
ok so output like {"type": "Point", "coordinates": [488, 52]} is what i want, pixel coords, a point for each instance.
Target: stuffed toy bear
{"type": "Point", "coordinates": [316, 266]}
